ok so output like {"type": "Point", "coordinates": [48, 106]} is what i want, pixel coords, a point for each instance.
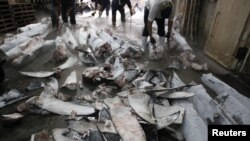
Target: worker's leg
{"type": "Point", "coordinates": [145, 30]}
{"type": "Point", "coordinates": [64, 7]}
{"type": "Point", "coordinates": [114, 8]}
{"type": "Point", "coordinates": [107, 7]}
{"type": "Point", "coordinates": [73, 13]}
{"type": "Point", "coordinates": [101, 9]}
{"type": "Point", "coordinates": [161, 31]}
{"type": "Point", "coordinates": [53, 13]}
{"type": "Point", "coordinates": [2, 74]}
{"type": "Point", "coordinates": [122, 12]}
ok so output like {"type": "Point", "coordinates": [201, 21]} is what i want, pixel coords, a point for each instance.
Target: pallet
{"type": "Point", "coordinates": [40, 1]}
{"type": "Point", "coordinates": [6, 18]}
{"type": "Point", "coordinates": [16, 1]}
{"type": "Point", "coordinates": [23, 14]}
{"type": "Point", "coordinates": [15, 15]}
{"type": "Point", "coordinates": [4, 29]}
{"type": "Point", "coordinates": [21, 7]}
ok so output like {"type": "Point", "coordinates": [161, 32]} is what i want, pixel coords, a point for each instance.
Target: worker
{"type": "Point", "coordinates": [55, 12]}
{"type": "Point", "coordinates": [3, 58]}
{"type": "Point", "coordinates": [157, 10]}
{"type": "Point", "coordinates": [119, 5]}
{"type": "Point", "coordinates": [68, 9]}
{"type": "Point", "coordinates": [103, 4]}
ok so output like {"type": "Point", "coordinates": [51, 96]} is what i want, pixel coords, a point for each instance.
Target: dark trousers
{"type": "Point", "coordinates": [54, 17]}
{"type": "Point", "coordinates": [121, 10]}
{"type": "Point", "coordinates": [160, 24]}
{"type": "Point", "coordinates": [66, 5]}
{"type": "Point", "coordinates": [105, 7]}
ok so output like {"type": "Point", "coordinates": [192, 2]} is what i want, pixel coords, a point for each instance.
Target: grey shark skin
{"type": "Point", "coordinates": [126, 124]}
{"type": "Point", "coordinates": [194, 127]}
{"type": "Point", "coordinates": [56, 106]}
{"type": "Point", "coordinates": [207, 107]}
{"type": "Point", "coordinates": [232, 102]}
{"type": "Point", "coordinates": [140, 104]}
{"type": "Point", "coordinates": [71, 81]}
{"type": "Point", "coordinates": [166, 115]}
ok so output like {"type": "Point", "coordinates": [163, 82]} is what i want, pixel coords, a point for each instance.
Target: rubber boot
{"type": "Point", "coordinates": [144, 43]}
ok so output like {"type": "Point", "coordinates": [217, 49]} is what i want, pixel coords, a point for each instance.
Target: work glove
{"type": "Point", "coordinates": [152, 40]}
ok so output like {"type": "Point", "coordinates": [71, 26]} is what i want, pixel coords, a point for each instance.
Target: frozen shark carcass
{"type": "Point", "coordinates": [149, 79]}
{"type": "Point", "coordinates": [28, 27]}
{"type": "Point", "coordinates": [70, 62]}
{"type": "Point", "coordinates": [56, 106]}
{"type": "Point", "coordinates": [112, 102]}
{"type": "Point", "coordinates": [87, 57]}
{"type": "Point", "coordinates": [47, 101]}
{"type": "Point", "coordinates": [193, 128]}
{"type": "Point", "coordinates": [83, 36]}
{"type": "Point", "coordinates": [107, 38]}
{"type": "Point", "coordinates": [118, 72]}
{"type": "Point", "coordinates": [40, 74]}
{"type": "Point", "coordinates": [177, 95]}
{"type": "Point", "coordinates": [129, 50]}
{"type": "Point", "coordinates": [13, 42]}
{"type": "Point", "coordinates": [69, 39]}
{"type": "Point", "coordinates": [31, 52]}
{"type": "Point", "coordinates": [51, 88]}
{"type": "Point", "coordinates": [103, 91]}
{"type": "Point", "coordinates": [124, 70]}
{"type": "Point", "coordinates": [176, 81]}
{"type": "Point", "coordinates": [61, 53]}
{"type": "Point", "coordinates": [84, 126]}
{"type": "Point", "coordinates": [11, 97]}
{"type": "Point", "coordinates": [166, 115]}
{"type": "Point", "coordinates": [71, 81]}
{"type": "Point", "coordinates": [50, 91]}
{"type": "Point", "coordinates": [68, 134]}
{"type": "Point", "coordinates": [100, 47]}
{"type": "Point", "coordinates": [97, 75]}
{"type": "Point", "coordinates": [11, 118]}
{"type": "Point", "coordinates": [12, 94]}
{"type": "Point", "coordinates": [219, 87]}
{"type": "Point", "coordinates": [140, 104]}
{"type": "Point", "coordinates": [35, 85]}
{"type": "Point", "coordinates": [155, 51]}
{"type": "Point", "coordinates": [37, 29]}
{"type": "Point", "coordinates": [25, 47]}
{"type": "Point", "coordinates": [31, 107]}
{"type": "Point", "coordinates": [208, 108]}
{"type": "Point", "coordinates": [182, 43]}
{"type": "Point", "coordinates": [234, 103]}
{"type": "Point", "coordinates": [126, 124]}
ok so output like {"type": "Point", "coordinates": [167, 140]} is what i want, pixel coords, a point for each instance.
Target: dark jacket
{"type": "Point", "coordinates": [55, 2]}
{"type": "Point", "coordinates": [102, 2]}
{"type": "Point", "coordinates": [118, 3]}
